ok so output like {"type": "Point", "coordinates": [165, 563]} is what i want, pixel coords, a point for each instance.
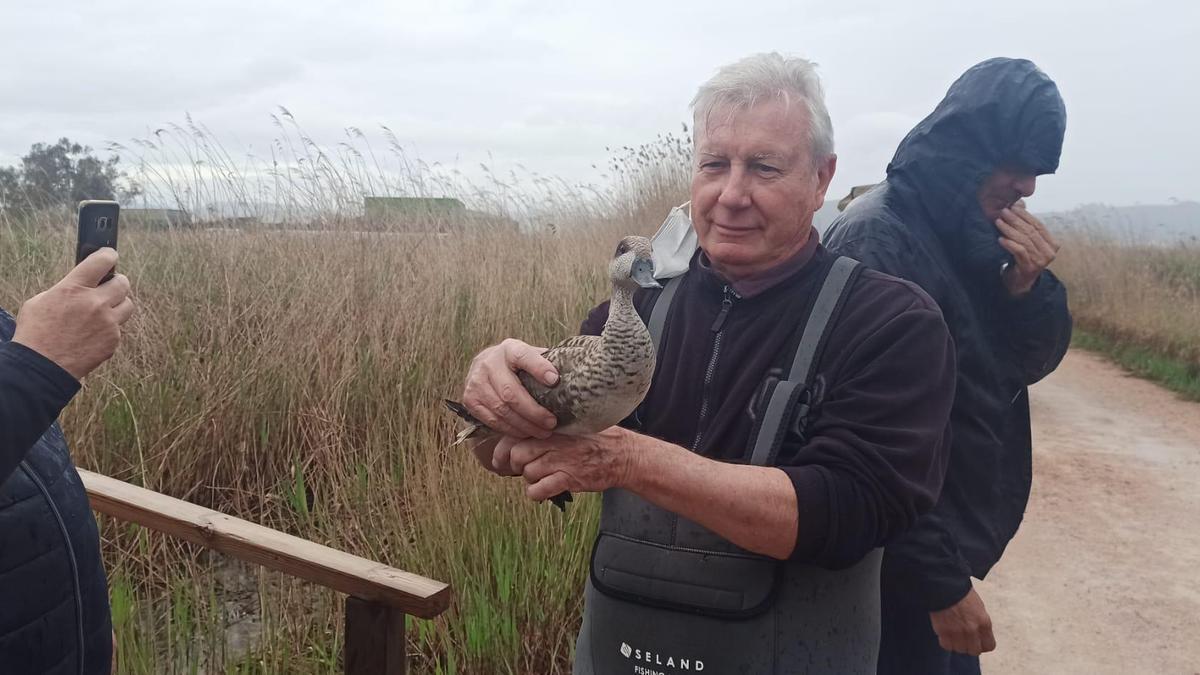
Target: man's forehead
{"type": "Point", "coordinates": [751, 144]}
{"type": "Point", "coordinates": [720, 150]}
{"type": "Point", "coordinates": [767, 129]}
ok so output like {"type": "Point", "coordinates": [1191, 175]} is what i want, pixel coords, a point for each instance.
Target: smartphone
{"type": "Point", "coordinates": [97, 229]}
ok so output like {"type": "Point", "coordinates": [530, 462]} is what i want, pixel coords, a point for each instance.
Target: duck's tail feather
{"type": "Point", "coordinates": [560, 500]}
{"type": "Point", "coordinates": [474, 427]}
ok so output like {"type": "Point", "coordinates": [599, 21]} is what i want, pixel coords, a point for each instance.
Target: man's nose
{"type": "Point", "coordinates": [1025, 185]}
{"type": "Point", "coordinates": [735, 192]}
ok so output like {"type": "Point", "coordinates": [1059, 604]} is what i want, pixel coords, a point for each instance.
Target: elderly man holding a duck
{"type": "Point", "coordinates": [761, 415]}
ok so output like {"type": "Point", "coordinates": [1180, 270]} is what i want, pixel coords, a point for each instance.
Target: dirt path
{"type": "Point", "coordinates": [1104, 575]}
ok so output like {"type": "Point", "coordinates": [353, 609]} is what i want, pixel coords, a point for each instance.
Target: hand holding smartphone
{"type": "Point", "coordinates": [97, 229]}
{"type": "Point", "coordinates": [77, 322]}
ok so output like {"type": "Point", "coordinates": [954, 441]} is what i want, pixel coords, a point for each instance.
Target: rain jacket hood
{"type": "Point", "coordinates": [1001, 112]}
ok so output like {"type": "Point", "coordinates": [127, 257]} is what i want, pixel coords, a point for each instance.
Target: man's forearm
{"type": "Point", "coordinates": [751, 506]}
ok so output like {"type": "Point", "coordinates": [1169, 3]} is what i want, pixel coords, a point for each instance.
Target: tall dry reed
{"type": "Point", "coordinates": [292, 373]}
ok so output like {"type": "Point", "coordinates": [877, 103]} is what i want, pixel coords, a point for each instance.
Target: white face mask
{"type": "Point", "coordinates": [674, 244]}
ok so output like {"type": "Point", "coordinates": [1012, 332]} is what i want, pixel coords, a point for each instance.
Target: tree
{"type": "Point", "coordinates": [61, 174]}
{"type": "Point", "coordinates": [10, 187]}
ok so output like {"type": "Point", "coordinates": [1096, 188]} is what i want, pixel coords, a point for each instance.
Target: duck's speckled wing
{"type": "Point", "coordinates": [569, 358]}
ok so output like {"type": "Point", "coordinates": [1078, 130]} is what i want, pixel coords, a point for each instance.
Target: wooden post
{"type": "Point", "coordinates": [374, 639]}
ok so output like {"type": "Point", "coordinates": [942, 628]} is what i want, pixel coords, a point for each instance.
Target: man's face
{"type": "Point", "coordinates": [754, 187]}
{"type": "Point", "coordinates": [1003, 188]}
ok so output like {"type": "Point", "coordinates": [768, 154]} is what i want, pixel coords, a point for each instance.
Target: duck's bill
{"type": "Point", "coordinates": [643, 273]}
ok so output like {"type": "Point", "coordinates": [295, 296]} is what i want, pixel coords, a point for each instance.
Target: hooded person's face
{"type": "Point", "coordinates": [755, 187]}
{"type": "Point", "coordinates": [1002, 188]}
{"type": "Point", "coordinates": [1000, 125]}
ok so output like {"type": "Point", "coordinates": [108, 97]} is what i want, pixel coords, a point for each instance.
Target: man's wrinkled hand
{"type": "Point", "coordinates": [77, 323]}
{"type": "Point", "coordinates": [1032, 247]}
{"type": "Point", "coordinates": [560, 463]}
{"type": "Point", "coordinates": [965, 626]}
{"type": "Point", "coordinates": [495, 396]}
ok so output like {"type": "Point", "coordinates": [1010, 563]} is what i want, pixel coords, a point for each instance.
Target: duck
{"type": "Point", "coordinates": [602, 378]}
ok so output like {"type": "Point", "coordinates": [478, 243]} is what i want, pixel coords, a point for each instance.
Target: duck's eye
{"type": "Point", "coordinates": [622, 249]}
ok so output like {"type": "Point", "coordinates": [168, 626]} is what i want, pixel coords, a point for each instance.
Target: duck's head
{"type": "Point", "coordinates": [631, 265]}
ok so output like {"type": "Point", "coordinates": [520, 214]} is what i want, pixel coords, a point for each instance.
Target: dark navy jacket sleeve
{"type": "Point", "coordinates": [925, 559]}
{"type": "Point", "coordinates": [33, 391]}
{"type": "Point", "coordinates": [925, 566]}
{"type": "Point", "coordinates": [1038, 327]}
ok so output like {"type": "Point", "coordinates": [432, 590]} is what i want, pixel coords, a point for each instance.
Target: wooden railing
{"type": "Point", "coordinates": [378, 596]}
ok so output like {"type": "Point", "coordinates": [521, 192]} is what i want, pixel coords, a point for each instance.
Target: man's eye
{"type": "Point", "coordinates": [766, 168]}
{"type": "Point", "coordinates": [712, 165]}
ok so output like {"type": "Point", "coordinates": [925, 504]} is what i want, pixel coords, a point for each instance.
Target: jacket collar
{"type": "Point", "coordinates": [766, 280]}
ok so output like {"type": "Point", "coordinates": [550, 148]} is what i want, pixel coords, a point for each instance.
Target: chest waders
{"type": "Point", "coordinates": [667, 596]}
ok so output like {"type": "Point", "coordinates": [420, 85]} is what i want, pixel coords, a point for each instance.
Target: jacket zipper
{"type": "Point", "coordinates": [62, 528]}
{"type": "Point", "coordinates": [718, 328]}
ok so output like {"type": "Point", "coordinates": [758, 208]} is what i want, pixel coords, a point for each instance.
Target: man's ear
{"type": "Point", "coordinates": [825, 171]}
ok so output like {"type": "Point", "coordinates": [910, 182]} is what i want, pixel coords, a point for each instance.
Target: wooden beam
{"type": "Point", "coordinates": [374, 639]}
{"type": "Point", "coordinates": [341, 571]}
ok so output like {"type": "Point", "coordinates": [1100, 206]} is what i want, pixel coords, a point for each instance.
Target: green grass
{"type": "Point", "coordinates": [1175, 374]}
{"type": "Point", "coordinates": [1139, 305]}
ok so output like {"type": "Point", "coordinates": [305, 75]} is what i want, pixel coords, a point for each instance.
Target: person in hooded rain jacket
{"type": "Point", "coordinates": [950, 217]}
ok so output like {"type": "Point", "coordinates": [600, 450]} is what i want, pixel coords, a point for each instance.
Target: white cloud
{"type": "Point", "coordinates": [550, 84]}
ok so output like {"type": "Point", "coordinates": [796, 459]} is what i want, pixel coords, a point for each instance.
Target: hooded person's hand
{"type": "Point", "coordinates": [1032, 248]}
{"type": "Point", "coordinates": [964, 627]}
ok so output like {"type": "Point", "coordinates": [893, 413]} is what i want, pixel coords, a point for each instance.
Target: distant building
{"type": "Point", "coordinates": [155, 219]}
{"type": "Point", "coordinates": [437, 215]}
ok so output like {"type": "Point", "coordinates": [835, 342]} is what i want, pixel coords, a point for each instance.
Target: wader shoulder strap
{"type": "Point", "coordinates": [662, 305]}
{"type": "Point", "coordinates": [829, 300]}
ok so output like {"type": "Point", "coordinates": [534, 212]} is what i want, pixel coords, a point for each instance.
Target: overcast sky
{"type": "Point", "coordinates": [549, 86]}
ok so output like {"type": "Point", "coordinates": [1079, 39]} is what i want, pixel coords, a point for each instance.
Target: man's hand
{"type": "Point", "coordinates": [496, 397]}
{"type": "Point", "coordinates": [965, 626]}
{"type": "Point", "coordinates": [77, 322]}
{"type": "Point", "coordinates": [568, 463]}
{"type": "Point", "coordinates": [1031, 245]}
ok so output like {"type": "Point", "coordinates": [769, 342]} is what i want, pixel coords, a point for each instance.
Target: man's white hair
{"type": "Point", "coordinates": [742, 84]}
